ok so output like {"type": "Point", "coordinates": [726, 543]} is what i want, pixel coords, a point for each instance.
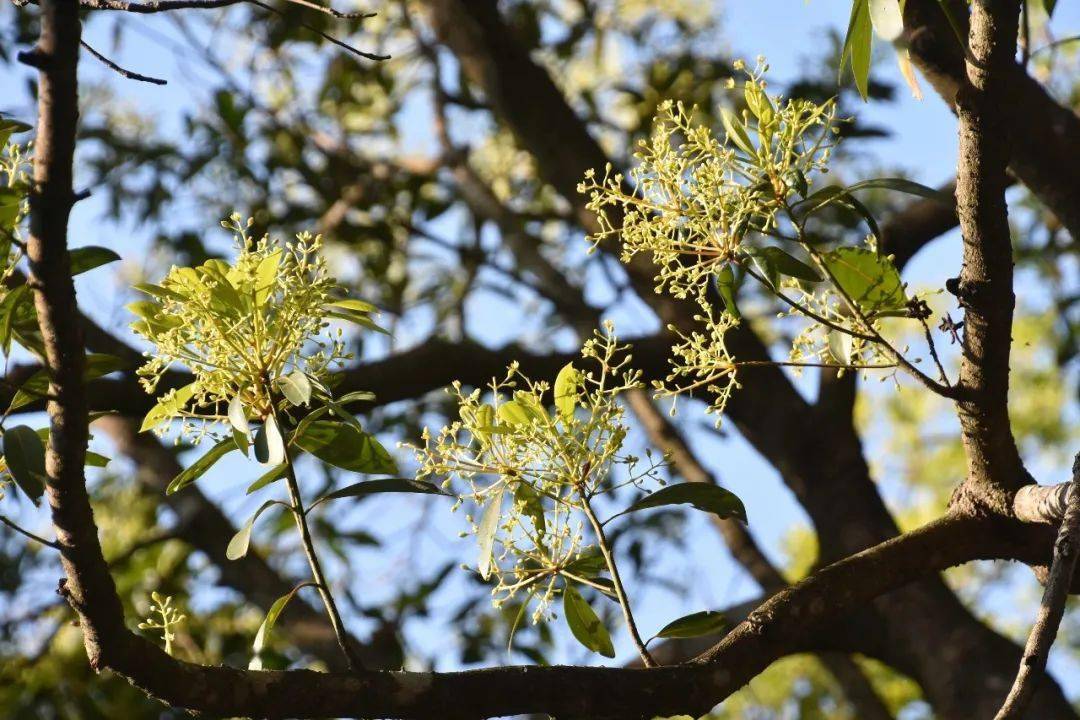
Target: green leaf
{"type": "Point", "coordinates": [706, 622]}
{"type": "Point", "coordinates": [241, 541]}
{"type": "Point", "coordinates": [584, 623]}
{"type": "Point", "coordinates": [567, 383]}
{"type": "Point", "coordinates": [167, 407]}
{"type": "Point", "coordinates": [356, 396]}
{"type": "Point", "coordinates": [94, 459]}
{"type": "Point", "coordinates": [485, 533]}
{"type": "Point", "coordinates": [725, 285]}
{"type": "Point", "coordinates": [87, 258]}
{"type": "Point", "coordinates": [736, 132]}
{"type": "Point", "coordinates": [887, 19]}
{"type": "Point", "coordinates": [9, 310]}
{"type": "Point", "coordinates": [200, 466]}
{"type": "Point", "coordinates": [787, 264]}
{"type": "Point", "coordinates": [269, 445]}
{"type": "Point", "coordinates": [24, 454]}
{"type": "Point", "coordinates": [8, 127]}
{"type": "Point", "coordinates": [702, 496]}
{"type": "Point", "coordinates": [857, 45]}
{"type": "Point", "coordinates": [530, 503]}
{"type": "Point", "coordinates": [266, 276]}
{"type": "Point", "coordinates": [268, 624]}
{"type": "Point", "coordinates": [158, 291]}
{"type": "Point", "coordinates": [343, 446]}
{"type": "Point", "coordinates": [295, 387]}
{"type": "Point", "coordinates": [37, 385]}
{"type": "Point", "coordinates": [871, 280]}
{"type": "Point", "coordinates": [905, 186]}
{"type": "Point", "coordinates": [353, 305]}
{"type": "Point", "coordinates": [767, 268]}
{"type": "Point", "coordinates": [271, 475]}
{"type": "Point", "coordinates": [358, 319]}
{"type": "Point", "coordinates": [383, 485]}
{"type": "Point", "coordinates": [239, 422]}
{"type": "Point", "coordinates": [513, 413]}
{"type": "Point", "coordinates": [1048, 5]}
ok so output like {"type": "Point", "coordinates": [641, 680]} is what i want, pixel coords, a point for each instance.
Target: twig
{"type": "Point", "coordinates": [1066, 550]}
{"type": "Point", "coordinates": [130, 74]}
{"type": "Point", "coordinates": [37, 538]}
{"type": "Point", "coordinates": [156, 6]}
{"type": "Point", "coordinates": [316, 567]}
{"type": "Point", "coordinates": [620, 592]}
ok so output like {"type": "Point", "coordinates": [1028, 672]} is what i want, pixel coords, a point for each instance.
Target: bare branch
{"type": "Point", "coordinates": [130, 74]}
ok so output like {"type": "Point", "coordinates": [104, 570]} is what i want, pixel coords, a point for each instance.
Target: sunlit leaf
{"type": "Point", "coordinates": [706, 622]}
{"type": "Point", "coordinates": [241, 541]}
{"type": "Point", "coordinates": [343, 446]}
{"type": "Point", "coordinates": [198, 468]}
{"type": "Point", "coordinates": [485, 533]}
{"type": "Point", "coordinates": [585, 624]}
{"type": "Point", "coordinates": [702, 496]}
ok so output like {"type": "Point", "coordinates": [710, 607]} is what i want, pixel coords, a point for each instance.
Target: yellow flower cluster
{"type": "Point", "coordinates": [530, 471]}
{"type": "Point", "coordinates": [243, 328]}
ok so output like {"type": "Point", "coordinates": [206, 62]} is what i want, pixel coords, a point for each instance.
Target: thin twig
{"type": "Point", "coordinates": [1066, 550]}
{"type": "Point", "coordinates": [323, 587]}
{"type": "Point", "coordinates": [620, 592]}
{"type": "Point", "coordinates": [37, 538]}
{"type": "Point", "coordinates": [130, 74]}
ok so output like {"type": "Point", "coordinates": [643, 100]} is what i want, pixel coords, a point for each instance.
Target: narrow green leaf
{"type": "Point", "coordinates": [241, 541]}
{"type": "Point", "coordinates": [271, 475]}
{"type": "Point", "coordinates": [9, 310]}
{"type": "Point", "coordinates": [567, 383]}
{"type": "Point", "coordinates": [167, 407]}
{"type": "Point", "coordinates": [787, 264]}
{"type": "Point", "coordinates": [24, 454]}
{"type": "Point", "coordinates": [585, 624]}
{"type": "Point", "coordinates": [485, 533]}
{"type": "Point", "coordinates": [157, 291]}
{"type": "Point", "coordinates": [200, 466]}
{"type": "Point", "coordinates": [268, 624]}
{"type": "Point", "coordinates": [85, 259]}
{"type": "Point", "coordinates": [343, 446]}
{"type": "Point", "coordinates": [383, 485]}
{"type": "Point", "coordinates": [269, 445]}
{"type": "Point", "coordinates": [702, 496]}
{"type": "Point", "coordinates": [266, 277]}
{"type": "Point", "coordinates": [905, 186]}
{"type": "Point", "coordinates": [725, 285]}
{"type": "Point", "coordinates": [736, 132]}
{"type": "Point", "coordinates": [353, 305]}
{"type": "Point", "coordinates": [513, 413]}
{"type": "Point", "coordinates": [94, 459]}
{"type": "Point", "coordinates": [1048, 5]}
{"type": "Point", "coordinates": [857, 46]}
{"type": "Point", "coordinates": [356, 396]}
{"type": "Point", "coordinates": [706, 622]}
{"type": "Point", "coordinates": [37, 385]}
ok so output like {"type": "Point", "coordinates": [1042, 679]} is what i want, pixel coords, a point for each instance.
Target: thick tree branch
{"type": "Point", "coordinates": [1052, 608]}
{"type": "Point", "coordinates": [985, 286]}
{"type": "Point", "coordinates": [1045, 146]}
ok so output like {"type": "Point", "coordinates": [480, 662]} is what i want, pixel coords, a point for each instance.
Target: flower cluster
{"type": "Point", "coordinates": [530, 471]}
{"type": "Point", "coordinates": [693, 198]}
{"type": "Point", "coordinates": [243, 328]}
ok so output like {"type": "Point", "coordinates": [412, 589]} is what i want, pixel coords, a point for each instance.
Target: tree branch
{"type": "Point", "coordinates": [985, 286]}
{"type": "Point", "coordinates": [1052, 608]}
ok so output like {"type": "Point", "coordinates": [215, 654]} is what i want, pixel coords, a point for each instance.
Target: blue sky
{"type": "Point", "coordinates": [789, 33]}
